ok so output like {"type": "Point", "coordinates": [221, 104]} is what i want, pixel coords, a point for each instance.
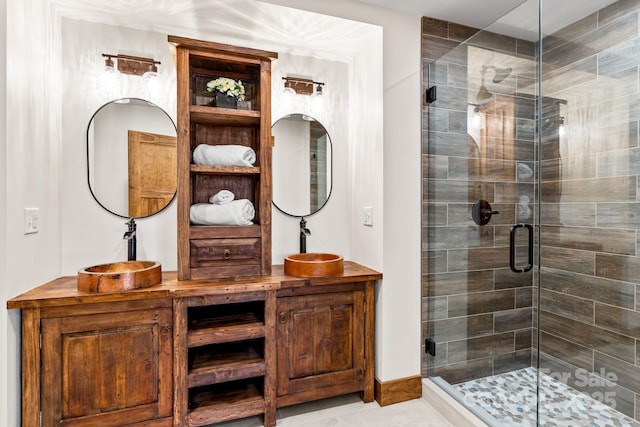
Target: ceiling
{"type": "Point", "coordinates": [506, 16]}
{"type": "Point", "coordinates": [249, 23]}
{"type": "Point", "coordinates": [517, 18]}
{"type": "Point", "coordinates": [474, 13]}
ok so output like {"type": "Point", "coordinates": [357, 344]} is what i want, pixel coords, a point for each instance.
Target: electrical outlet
{"type": "Point", "coordinates": [31, 220]}
{"type": "Point", "coordinates": [368, 215]}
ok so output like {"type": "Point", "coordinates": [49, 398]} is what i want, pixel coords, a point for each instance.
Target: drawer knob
{"type": "Point", "coordinates": [226, 254]}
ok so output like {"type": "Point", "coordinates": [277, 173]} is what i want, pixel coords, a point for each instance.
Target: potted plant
{"type": "Point", "coordinates": [227, 92]}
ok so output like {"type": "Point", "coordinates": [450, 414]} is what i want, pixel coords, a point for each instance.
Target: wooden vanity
{"type": "Point", "coordinates": [226, 336]}
{"type": "Point", "coordinates": [196, 352]}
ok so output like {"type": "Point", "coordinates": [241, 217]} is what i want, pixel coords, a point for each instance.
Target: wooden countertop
{"type": "Point", "coordinates": [63, 291]}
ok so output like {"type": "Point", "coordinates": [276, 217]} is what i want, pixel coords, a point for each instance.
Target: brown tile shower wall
{"type": "Point", "coordinates": [477, 311]}
{"type": "Point", "coordinates": [590, 212]}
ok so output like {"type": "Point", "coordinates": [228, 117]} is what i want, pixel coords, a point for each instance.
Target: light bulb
{"type": "Point", "coordinates": [109, 65]}
{"type": "Point", "coordinates": [152, 73]}
{"type": "Point", "coordinates": [476, 120]}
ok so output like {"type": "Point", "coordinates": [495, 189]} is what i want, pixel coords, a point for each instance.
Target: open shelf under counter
{"type": "Point", "coordinates": [223, 116]}
{"type": "Point", "coordinates": [225, 362]}
{"type": "Point", "coordinates": [224, 329]}
{"type": "Point", "coordinates": [235, 330]}
{"type": "Point", "coordinates": [224, 402]}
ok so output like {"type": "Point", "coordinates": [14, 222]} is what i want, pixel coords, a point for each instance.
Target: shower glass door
{"type": "Point", "coordinates": [589, 166]}
{"type": "Point", "coordinates": [479, 218]}
{"type": "Point", "coordinates": [531, 168]}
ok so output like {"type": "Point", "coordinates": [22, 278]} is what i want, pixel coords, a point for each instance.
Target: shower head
{"type": "Point", "coordinates": [483, 95]}
{"type": "Point", "coordinates": [499, 74]}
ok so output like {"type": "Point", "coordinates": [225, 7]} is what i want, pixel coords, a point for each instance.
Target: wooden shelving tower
{"type": "Point", "coordinates": [223, 251]}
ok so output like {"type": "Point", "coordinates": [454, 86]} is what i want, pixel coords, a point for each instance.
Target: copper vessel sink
{"type": "Point", "coordinates": [313, 265]}
{"type": "Point", "coordinates": [119, 276]}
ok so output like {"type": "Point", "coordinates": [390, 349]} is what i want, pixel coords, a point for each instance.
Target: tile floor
{"type": "Point", "coordinates": [510, 399]}
{"type": "Point", "coordinates": [349, 410]}
{"type": "Point", "coordinates": [510, 406]}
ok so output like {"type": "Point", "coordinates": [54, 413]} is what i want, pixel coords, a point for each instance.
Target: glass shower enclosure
{"type": "Point", "coordinates": [531, 211]}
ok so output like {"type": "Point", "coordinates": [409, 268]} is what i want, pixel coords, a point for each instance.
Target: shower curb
{"type": "Point", "coordinates": [442, 397]}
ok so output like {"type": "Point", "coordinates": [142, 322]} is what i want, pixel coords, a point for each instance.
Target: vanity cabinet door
{"type": "Point", "coordinates": [107, 369]}
{"type": "Point", "coordinates": [320, 346]}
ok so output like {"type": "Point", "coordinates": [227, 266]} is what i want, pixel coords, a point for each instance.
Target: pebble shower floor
{"type": "Point", "coordinates": [510, 399]}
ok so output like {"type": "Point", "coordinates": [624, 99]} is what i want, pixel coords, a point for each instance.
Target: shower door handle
{"type": "Point", "coordinates": [512, 249]}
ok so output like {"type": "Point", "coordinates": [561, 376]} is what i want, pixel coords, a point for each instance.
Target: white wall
{"type": "Point", "coordinates": [398, 298]}
{"type": "Point", "coordinates": [87, 90]}
{"type": "Point", "coordinates": [354, 120]}
{"type": "Point", "coordinates": [330, 227]}
{"type": "Point", "coordinates": [4, 291]}
{"type": "Point", "coordinates": [90, 234]}
{"type": "Point", "coordinates": [86, 234]}
{"type": "Point", "coordinates": [399, 309]}
{"type": "Point", "coordinates": [31, 163]}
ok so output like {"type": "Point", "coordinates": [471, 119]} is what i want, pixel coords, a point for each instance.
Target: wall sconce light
{"type": "Point", "coordinates": [475, 119]}
{"type": "Point", "coordinates": [108, 64]}
{"type": "Point", "coordinates": [302, 86]}
{"type": "Point", "coordinates": [561, 126]}
{"type": "Point", "coordinates": [134, 65]}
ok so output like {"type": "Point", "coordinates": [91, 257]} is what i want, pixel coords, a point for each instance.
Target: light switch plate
{"type": "Point", "coordinates": [368, 215]}
{"type": "Point", "coordinates": [31, 220]}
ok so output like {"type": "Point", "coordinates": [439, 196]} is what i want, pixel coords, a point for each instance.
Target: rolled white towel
{"type": "Point", "coordinates": [224, 155]}
{"type": "Point", "coordinates": [237, 212]}
{"type": "Point", "coordinates": [222, 197]}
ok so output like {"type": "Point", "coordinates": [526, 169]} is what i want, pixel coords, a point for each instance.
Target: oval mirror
{"type": "Point", "coordinates": [302, 176]}
{"type": "Point", "coordinates": [131, 158]}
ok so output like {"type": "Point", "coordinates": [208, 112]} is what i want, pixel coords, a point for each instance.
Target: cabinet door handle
{"type": "Point", "coordinates": [282, 317]}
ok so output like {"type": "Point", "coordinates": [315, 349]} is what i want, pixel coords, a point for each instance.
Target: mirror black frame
{"type": "Point", "coordinates": [89, 165]}
{"type": "Point", "coordinates": [330, 172]}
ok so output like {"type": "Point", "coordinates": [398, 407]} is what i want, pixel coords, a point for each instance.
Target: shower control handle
{"type": "Point", "coordinates": [512, 249]}
{"type": "Point", "coordinates": [481, 212]}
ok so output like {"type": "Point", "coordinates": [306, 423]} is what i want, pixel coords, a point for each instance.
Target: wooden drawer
{"type": "Point", "coordinates": [225, 252]}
